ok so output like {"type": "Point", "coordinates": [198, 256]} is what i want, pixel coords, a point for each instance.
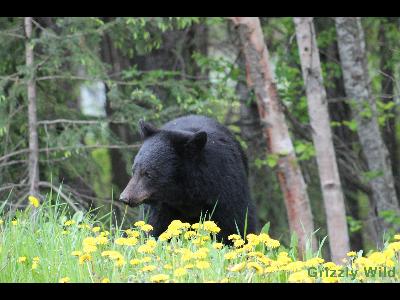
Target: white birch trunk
{"type": "Point", "coordinates": [353, 58]}
{"type": "Point", "coordinates": [259, 77]}
{"type": "Point", "coordinates": [322, 138]}
{"type": "Point", "coordinates": [32, 114]}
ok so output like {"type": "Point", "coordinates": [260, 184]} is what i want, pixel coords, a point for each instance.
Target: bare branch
{"type": "Point", "coordinates": [63, 148]}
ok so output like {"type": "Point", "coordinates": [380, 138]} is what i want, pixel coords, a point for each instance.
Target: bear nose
{"type": "Point", "coordinates": [124, 199]}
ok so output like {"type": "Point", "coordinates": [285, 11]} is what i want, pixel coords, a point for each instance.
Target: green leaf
{"type": "Point", "coordinates": [265, 228]}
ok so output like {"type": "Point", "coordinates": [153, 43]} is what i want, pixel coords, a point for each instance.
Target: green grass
{"type": "Point", "coordinates": [43, 232]}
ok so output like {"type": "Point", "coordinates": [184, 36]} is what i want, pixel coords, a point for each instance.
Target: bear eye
{"type": "Point", "coordinates": [147, 174]}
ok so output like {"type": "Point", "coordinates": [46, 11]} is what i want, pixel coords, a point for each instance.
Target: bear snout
{"type": "Point", "coordinates": [134, 194]}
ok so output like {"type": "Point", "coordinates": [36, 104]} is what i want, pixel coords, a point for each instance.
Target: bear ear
{"type": "Point", "coordinates": [197, 142]}
{"type": "Point", "coordinates": [146, 129]}
{"type": "Point", "coordinates": [188, 143]}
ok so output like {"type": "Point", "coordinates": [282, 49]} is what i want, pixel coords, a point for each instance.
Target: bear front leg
{"type": "Point", "coordinates": [160, 216]}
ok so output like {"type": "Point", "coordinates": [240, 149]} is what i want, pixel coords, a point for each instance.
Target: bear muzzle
{"type": "Point", "coordinates": [134, 194]}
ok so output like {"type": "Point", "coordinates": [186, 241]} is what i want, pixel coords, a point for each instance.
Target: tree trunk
{"type": "Point", "coordinates": [353, 58]}
{"type": "Point", "coordinates": [262, 181]}
{"type": "Point", "coordinates": [339, 111]}
{"type": "Point", "coordinates": [32, 113]}
{"type": "Point", "coordinates": [387, 90]}
{"type": "Point", "coordinates": [259, 77]}
{"type": "Point", "coordinates": [322, 138]}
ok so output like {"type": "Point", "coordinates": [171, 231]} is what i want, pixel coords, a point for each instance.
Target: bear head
{"type": "Point", "coordinates": [159, 166]}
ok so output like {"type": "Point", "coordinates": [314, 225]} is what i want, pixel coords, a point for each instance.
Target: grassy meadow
{"type": "Point", "coordinates": [43, 243]}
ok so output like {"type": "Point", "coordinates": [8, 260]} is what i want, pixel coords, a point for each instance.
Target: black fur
{"type": "Point", "coordinates": [187, 166]}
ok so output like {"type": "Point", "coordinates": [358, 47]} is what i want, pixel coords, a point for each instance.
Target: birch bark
{"type": "Point", "coordinates": [32, 113]}
{"type": "Point", "coordinates": [322, 138]}
{"type": "Point", "coordinates": [353, 59]}
{"type": "Point", "coordinates": [275, 129]}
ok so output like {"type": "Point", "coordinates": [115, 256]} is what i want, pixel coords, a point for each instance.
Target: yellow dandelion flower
{"type": "Point", "coordinates": [238, 267]}
{"type": "Point", "coordinates": [159, 278]}
{"type": "Point", "coordinates": [186, 254]}
{"type": "Point", "coordinates": [132, 233]}
{"type": "Point", "coordinates": [146, 228]}
{"type": "Point", "coordinates": [22, 259]}
{"type": "Point", "coordinates": [106, 253]}
{"type": "Point", "coordinates": [265, 260]}
{"type": "Point", "coordinates": [263, 237]}
{"type": "Point", "coordinates": [329, 279]}
{"type": "Point", "coordinates": [35, 265]}
{"type": "Point", "coordinates": [1, 222]}
{"type": "Point", "coordinates": [64, 280]}
{"type": "Point", "coordinates": [101, 240]}
{"type": "Point", "coordinates": [165, 236]}
{"type": "Point", "coordinates": [211, 226]}
{"type": "Point", "coordinates": [89, 248]}
{"type": "Point", "coordinates": [84, 226]}
{"type": "Point", "coordinates": [238, 243]}
{"type": "Point", "coordinates": [271, 243]}
{"type": "Point", "coordinates": [145, 249]}
{"type": "Point", "coordinates": [255, 254]}
{"type": "Point", "coordinates": [256, 266]}
{"type": "Point", "coordinates": [35, 262]}
{"type": "Point", "coordinates": [295, 266]}
{"type": "Point", "coordinates": [65, 232]}
{"type": "Point", "coordinates": [134, 261]}
{"type": "Point", "coordinates": [146, 259]}
{"type": "Point", "coordinates": [189, 234]}
{"type": "Point", "coordinates": [14, 222]}
{"type": "Point", "coordinates": [377, 258]}
{"type": "Point", "coordinates": [84, 257]}
{"type": "Point", "coordinates": [105, 280]}
{"type": "Point", "coordinates": [120, 241]}
{"type": "Point", "coordinates": [202, 265]}
{"type": "Point", "coordinates": [195, 226]}
{"type": "Point", "coordinates": [96, 229]}
{"type": "Point", "coordinates": [252, 239]}
{"type": "Point", "coordinates": [149, 268]}
{"type": "Point", "coordinates": [177, 224]}
{"type": "Point", "coordinates": [115, 255]}
{"type": "Point", "coordinates": [168, 266]}
{"type": "Point", "coordinates": [89, 241]}
{"type": "Point", "coordinates": [180, 272]}
{"type": "Point", "coordinates": [104, 233]}
{"type": "Point", "coordinates": [76, 253]}
{"type": "Point", "coordinates": [120, 262]}
{"type": "Point", "coordinates": [185, 225]}
{"type": "Point", "coordinates": [139, 223]}
{"type": "Point", "coordinates": [234, 237]}
{"type": "Point", "coordinates": [132, 241]}
{"type": "Point", "coordinates": [218, 246]}
{"type": "Point", "coordinates": [301, 276]}
{"type": "Point", "coordinates": [69, 223]}
{"type": "Point", "coordinates": [34, 201]}
{"type": "Point", "coordinates": [151, 243]}
{"type": "Point", "coordinates": [230, 255]}
{"type": "Point", "coordinates": [351, 253]}
{"type": "Point", "coordinates": [394, 246]}
{"type": "Point", "coordinates": [330, 265]}
{"type": "Point", "coordinates": [312, 262]}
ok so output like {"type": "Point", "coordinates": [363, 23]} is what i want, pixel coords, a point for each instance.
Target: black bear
{"type": "Point", "coordinates": [191, 167]}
